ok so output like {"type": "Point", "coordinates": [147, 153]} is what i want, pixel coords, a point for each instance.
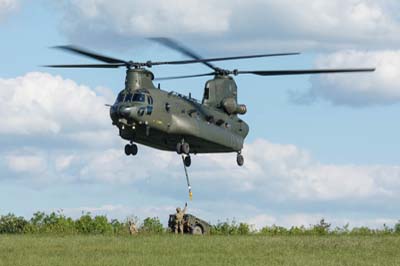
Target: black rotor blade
{"type": "Point", "coordinates": [304, 72]}
{"type": "Point", "coordinates": [90, 54]}
{"type": "Point", "coordinates": [186, 51]}
{"type": "Point", "coordinates": [187, 76]}
{"type": "Point", "coordinates": [88, 66]}
{"type": "Point", "coordinates": [219, 59]}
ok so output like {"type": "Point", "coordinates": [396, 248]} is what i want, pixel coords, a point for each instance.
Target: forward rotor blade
{"type": "Point", "coordinates": [87, 53]}
{"type": "Point", "coordinates": [219, 59]}
{"type": "Point", "coordinates": [304, 72]}
{"type": "Point", "coordinates": [187, 76]}
{"type": "Point", "coordinates": [88, 66]}
{"type": "Point", "coordinates": [186, 51]}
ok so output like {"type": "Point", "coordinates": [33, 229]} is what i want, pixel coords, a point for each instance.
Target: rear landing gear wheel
{"type": "Point", "coordinates": [240, 159]}
{"type": "Point", "coordinates": [179, 148]}
{"type": "Point", "coordinates": [183, 147]}
{"type": "Point", "coordinates": [187, 161]}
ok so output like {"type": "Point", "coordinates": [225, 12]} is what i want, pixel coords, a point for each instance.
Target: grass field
{"type": "Point", "coordinates": [209, 250]}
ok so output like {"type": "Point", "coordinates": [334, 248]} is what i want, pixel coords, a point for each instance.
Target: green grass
{"type": "Point", "coordinates": [209, 250]}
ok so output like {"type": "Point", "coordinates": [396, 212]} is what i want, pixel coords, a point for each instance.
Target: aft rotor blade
{"type": "Point", "coordinates": [219, 59]}
{"type": "Point", "coordinates": [88, 66]}
{"type": "Point", "coordinates": [90, 54]}
{"type": "Point", "coordinates": [187, 76]}
{"type": "Point", "coordinates": [304, 72]}
{"type": "Point", "coordinates": [186, 51]}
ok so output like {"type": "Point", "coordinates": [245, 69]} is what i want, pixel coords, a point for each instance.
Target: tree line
{"type": "Point", "coordinates": [58, 223]}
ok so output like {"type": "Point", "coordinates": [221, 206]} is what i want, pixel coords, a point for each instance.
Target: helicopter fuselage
{"type": "Point", "coordinates": [156, 118]}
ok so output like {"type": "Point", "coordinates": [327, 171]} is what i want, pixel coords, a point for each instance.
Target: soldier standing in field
{"type": "Point", "coordinates": [132, 228]}
{"type": "Point", "coordinates": [179, 219]}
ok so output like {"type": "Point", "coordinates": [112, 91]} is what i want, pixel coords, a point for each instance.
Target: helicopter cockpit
{"type": "Point", "coordinates": [131, 97]}
{"type": "Point", "coordinates": [141, 100]}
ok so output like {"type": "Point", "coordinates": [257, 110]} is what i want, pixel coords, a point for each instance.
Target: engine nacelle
{"type": "Point", "coordinates": [231, 107]}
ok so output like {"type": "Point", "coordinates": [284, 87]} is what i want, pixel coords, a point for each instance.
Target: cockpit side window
{"type": "Point", "coordinates": [138, 97]}
{"type": "Point", "coordinates": [206, 93]}
{"type": "Point", "coordinates": [120, 97]}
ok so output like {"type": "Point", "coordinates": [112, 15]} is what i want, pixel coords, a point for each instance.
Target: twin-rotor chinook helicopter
{"type": "Point", "coordinates": [168, 121]}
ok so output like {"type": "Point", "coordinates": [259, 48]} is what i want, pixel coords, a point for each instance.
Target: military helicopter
{"type": "Point", "coordinates": [169, 121]}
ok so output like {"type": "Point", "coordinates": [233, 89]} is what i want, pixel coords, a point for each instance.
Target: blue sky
{"type": "Point", "coordinates": [323, 146]}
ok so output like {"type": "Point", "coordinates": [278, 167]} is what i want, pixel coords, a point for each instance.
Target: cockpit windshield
{"type": "Point", "coordinates": [136, 97]}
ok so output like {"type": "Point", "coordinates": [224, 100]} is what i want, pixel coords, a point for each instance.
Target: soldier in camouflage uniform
{"type": "Point", "coordinates": [132, 228]}
{"type": "Point", "coordinates": [179, 219]}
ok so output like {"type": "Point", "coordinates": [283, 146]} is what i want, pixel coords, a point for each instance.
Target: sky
{"type": "Point", "coordinates": [321, 146]}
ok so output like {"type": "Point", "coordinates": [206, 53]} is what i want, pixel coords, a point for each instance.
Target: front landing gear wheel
{"type": "Point", "coordinates": [187, 161]}
{"type": "Point", "coordinates": [134, 149]}
{"type": "Point", "coordinates": [240, 159]}
{"type": "Point", "coordinates": [131, 149]}
{"type": "Point", "coordinates": [127, 149]}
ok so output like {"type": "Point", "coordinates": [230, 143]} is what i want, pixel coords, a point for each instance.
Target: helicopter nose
{"type": "Point", "coordinates": [126, 111]}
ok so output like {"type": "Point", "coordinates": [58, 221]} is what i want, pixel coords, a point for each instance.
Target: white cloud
{"type": "Point", "coordinates": [378, 88]}
{"type": "Point", "coordinates": [26, 163]}
{"type": "Point", "coordinates": [275, 171]}
{"type": "Point", "coordinates": [261, 220]}
{"type": "Point", "coordinates": [7, 6]}
{"type": "Point", "coordinates": [272, 172]}
{"type": "Point", "coordinates": [349, 26]}
{"type": "Point", "coordinates": [38, 104]}
{"type": "Point", "coordinates": [155, 17]}
{"type": "Point", "coordinates": [241, 25]}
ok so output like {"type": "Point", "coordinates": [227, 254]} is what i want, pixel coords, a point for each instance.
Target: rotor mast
{"type": "Point", "coordinates": [138, 78]}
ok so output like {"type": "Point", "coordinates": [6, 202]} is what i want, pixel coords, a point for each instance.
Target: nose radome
{"type": "Point", "coordinates": [125, 111]}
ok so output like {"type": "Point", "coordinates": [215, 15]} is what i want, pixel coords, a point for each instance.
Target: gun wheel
{"type": "Point", "coordinates": [197, 230]}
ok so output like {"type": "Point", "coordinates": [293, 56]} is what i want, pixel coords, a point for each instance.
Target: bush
{"type": "Point", "coordinates": [230, 228]}
{"type": "Point", "coordinates": [152, 225]}
{"type": "Point", "coordinates": [11, 224]}
{"type": "Point", "coordinates": [363, 231]}
{"type": "Point", "coordinates": [397, 228]}
{"type": "Point", "coordinates": [97, 225]}
{"type": "Point", "coordinates": [58, 223]}
{"type": "Point", "coordinates": [295, 230]}
{"type": "Point", "coordinates": [243, 229]}
{"type": "Point", "coordinates": [119, 228]}
{"type": "Point", "coordinates": [274, 230]}
{"type": "Point", "coordinates": [51, 223]}
{"type": "Point", "coordinates": [322, 228]}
